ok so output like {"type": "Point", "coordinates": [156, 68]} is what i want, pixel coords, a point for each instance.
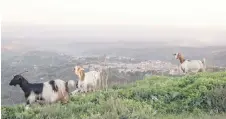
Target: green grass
{"type": "Point", "coordinates": [189, 97]}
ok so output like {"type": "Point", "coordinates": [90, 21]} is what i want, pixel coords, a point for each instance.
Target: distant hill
{"type": "Point", "coordinates": [213, 55]}
{"type": "Point", "coordinates": [7, 54]}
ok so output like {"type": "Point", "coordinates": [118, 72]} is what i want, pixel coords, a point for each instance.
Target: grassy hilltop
{"type": "Point", "coordinates": [188, 97]}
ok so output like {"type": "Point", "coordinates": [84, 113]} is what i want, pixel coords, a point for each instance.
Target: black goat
{"type": "Point", "coordinates": [47, 92]}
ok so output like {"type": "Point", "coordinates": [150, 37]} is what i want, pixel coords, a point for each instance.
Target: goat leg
{"type": "Point", "coordinates": [75, 91]}
{"type": "Point", "coordinates": [27, 105]}
{"type": "Point", "coordinates": [41, 102]}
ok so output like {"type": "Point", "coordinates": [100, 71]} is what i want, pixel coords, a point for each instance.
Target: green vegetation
{"type": "Point", "coordinates": [198, 96]}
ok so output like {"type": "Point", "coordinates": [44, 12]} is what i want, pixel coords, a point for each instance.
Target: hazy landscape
{"type": "Point", "coordinates": [50, 52]}
{"type": "Point", "coordinates": [132, 42]}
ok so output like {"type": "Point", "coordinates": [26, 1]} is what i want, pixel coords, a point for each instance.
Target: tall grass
{"type": "Point", "coordinates": [188, 97]}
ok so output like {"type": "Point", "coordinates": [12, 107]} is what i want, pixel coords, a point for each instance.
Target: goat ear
{"type": "Point", "coordinates": [80, 68]}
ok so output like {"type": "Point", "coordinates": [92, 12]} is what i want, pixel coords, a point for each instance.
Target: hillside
{"type": "Point", "coordinates": [198, 96]}
{"type": "Point", "coordinates": [44, 66]}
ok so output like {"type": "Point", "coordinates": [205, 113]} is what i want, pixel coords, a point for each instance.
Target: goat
{"type": "Point", "coordinates": [43, 93]}
{"type": "Point", "coordinates": [89, 81]}
{"type": "Point", "coordinates": [190, 65]}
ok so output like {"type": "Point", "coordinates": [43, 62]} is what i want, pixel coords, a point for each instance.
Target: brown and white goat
{"type": "Point", "coordinates": [193, 66]}
{"type": "Point", "coordinates": [88, 81]}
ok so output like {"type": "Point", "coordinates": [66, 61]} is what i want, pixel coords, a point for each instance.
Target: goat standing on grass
{"type": "Point", "coordinates": [43, 93]}
{"type": "Point", "coordinates": [89, 81]}
{"type": "Point", "coordinates": [190, 65]}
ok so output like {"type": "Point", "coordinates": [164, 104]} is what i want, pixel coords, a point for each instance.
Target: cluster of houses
{"type": "Point", "coordinates": [126, 64]}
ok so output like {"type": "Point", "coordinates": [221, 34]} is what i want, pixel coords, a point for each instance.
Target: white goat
{"type": "Point", "coordinates": [90, 81]}
{"type": "Point", "coordinates": [87, 81]}
{"type": "Point", "coordinates": [193, 66]}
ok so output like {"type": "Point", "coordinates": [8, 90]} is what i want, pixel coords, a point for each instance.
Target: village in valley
{"type": "Point", "coordinates": [127, 64]}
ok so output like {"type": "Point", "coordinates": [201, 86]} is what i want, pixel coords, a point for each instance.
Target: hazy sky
{"type": "Point", "coordinates": [190, 13]}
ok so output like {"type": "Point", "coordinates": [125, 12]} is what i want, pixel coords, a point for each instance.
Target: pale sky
{"type": "Point", "coordinates": [190, 13]}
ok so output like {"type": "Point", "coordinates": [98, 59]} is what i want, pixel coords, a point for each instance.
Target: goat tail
{"type": "Point", "coordinates": [204, 61]}
{"type": "Point", "coordinates": [204, 64]}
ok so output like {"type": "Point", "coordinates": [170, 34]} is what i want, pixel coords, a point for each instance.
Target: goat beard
{"type": "Point", "coordinates": [13, 85]}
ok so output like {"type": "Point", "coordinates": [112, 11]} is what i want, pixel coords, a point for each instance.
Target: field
{"type": "Point", "coordinates": [189, 97]}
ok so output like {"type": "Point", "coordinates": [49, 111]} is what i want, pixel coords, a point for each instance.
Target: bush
{"type": "Point", "coordinates": [202, 95]}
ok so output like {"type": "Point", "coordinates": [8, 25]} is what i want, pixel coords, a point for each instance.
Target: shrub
{"type": "Point", "coordinates": [153, 97]}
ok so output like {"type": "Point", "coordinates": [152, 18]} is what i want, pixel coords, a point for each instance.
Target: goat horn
{"type": "Point", "coordinates": [23, 72]}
